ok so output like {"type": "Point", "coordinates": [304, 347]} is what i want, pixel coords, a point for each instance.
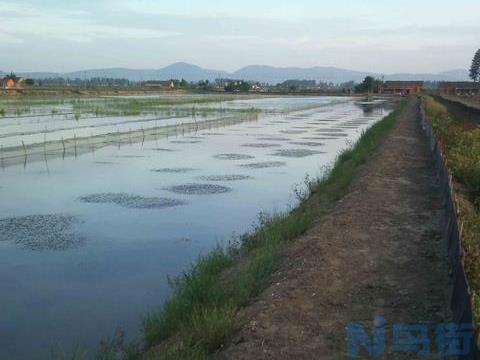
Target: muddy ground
{"type": "Point", "coordinates": [378, 253]}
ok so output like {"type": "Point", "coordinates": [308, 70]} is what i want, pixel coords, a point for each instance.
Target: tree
{"type": "Point", "coordinates": [369, 84]}
{"type": "Point", "coordinates": [475, 68]}
{"type": "Point", "coordinates": [204, 84]}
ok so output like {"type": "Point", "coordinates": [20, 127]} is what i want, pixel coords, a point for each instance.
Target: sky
{"type": "Point", "coordinates": [368, 35]}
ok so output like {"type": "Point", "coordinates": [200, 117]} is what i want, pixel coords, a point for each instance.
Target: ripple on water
{"type": "Point", "coordinates": [233, 156]}
{"type": "Point", "coordinates": [229, 177]}
{"type": "Point", "coordinates": [199, 189]}
{"type": "Point", "coordinates": [131, 201]}
{"type": "Point", "coordinates": [263, 165]}
{"type": "Point", "coordinates": [296, 153]}
{"type": "Point", "coordinates": [41, 232]}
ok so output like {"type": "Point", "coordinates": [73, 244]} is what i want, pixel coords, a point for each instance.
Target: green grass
{"type": "Point", "coordinates": [130, 107]}
{"type": "Point", "coordinates": [118, 106]}
{"type": "Point", "coordinates": [201, 313]}
{"type": "Point", "coordinates": [461, 147]}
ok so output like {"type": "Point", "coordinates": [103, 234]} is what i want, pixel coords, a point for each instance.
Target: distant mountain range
{"type": "Point", "coordinates": [261, 73]}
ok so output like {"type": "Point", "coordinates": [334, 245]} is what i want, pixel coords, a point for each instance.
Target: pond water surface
{"type": "Point", "coordinates": [87, 244]}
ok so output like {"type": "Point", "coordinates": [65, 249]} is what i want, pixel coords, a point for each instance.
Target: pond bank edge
{"type": "Point", "coordinates": [201, 313]}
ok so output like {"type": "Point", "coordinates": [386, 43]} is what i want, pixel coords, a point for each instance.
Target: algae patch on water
{"type": "Point", "coordinates": [131, 201]}
{"type": "Point", "coordinates": [173, 170]}
{"type": "Point", "coordinates": [296, 153]}
{"type": "Point", "coordinates": [198, 189]}
{"type": "Point", "coordinates": [230, 177]}
{"type": "Point", "coordinates": [273, 138]}
{"type": "Point", "coordinates": [40, 232]}
{"type": "Point", "coordinates": [233, 157]}
{"type": "Point", "coordinates": [307, 143]}
{"type": "Point", "coordinates": [185, 142]}
{"type": "Point", "coordinates": [264, 165]}
{"type": "Point", "coordinates": [163, 149]}
{"type": "Point", "coordinates": [293, 131]}
{"type": "Point", "coordinates": [261, 145]}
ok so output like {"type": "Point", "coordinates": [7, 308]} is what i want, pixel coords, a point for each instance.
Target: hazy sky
{"type": "Point", "coordinates": [371, 35]}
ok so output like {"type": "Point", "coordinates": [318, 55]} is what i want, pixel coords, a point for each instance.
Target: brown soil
{"type": "Point", "coordinates": [379, 252]}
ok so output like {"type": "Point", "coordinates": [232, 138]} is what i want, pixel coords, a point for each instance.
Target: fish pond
{"type": "Point", "coordinates": [102, 201]}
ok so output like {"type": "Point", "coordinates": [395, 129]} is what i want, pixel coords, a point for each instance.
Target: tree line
{"type": "Point", "coordinates": [475, 68]}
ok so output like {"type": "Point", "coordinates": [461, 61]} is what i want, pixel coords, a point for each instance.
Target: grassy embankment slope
{"type": "Point", "coordinates": [201, 312]}
{"type": "Point", "coordinates": [461, 147]}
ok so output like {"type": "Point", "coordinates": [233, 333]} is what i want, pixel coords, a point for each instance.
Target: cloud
{"type": "Point", "coordinates": [108, 33]}
{"type": "Point", "coordinates": [29, 22]}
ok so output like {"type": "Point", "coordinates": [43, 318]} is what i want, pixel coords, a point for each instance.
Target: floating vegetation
{"type": "Point", "coordinates": [298, 116]}
{"type": "Point", "coordinates": [274, 138]}
{"type": "Point", "coordinates": [198, 189]}
{"type": "Point", "coordinates": [130, 156]}
{"type": "Point", "coordinates": [261, 145]}
{"type": "Point", "coordinates": [296, 153]}
{"type": "Point", "coordinates": [263, 165]}
{"type": "Point", "coordinates": [105, 162]}
{"type": "Point", "coordinates": [307, 143]}
{"type": "Point", "coordinates": [233, 157]}
{"type": "Point", "coordinates": [336, 135]}
{"type": "Point", "coordinates": [131, 201]}
{"type": "Point", "coordinates": [293, 131]}
{"type": "Point", "coordinates": [163, 149]}
{"type": "Point", "coordinates": [174, 170]}
{"type": "Point", "coordinates": [185, 141]}
{"type": "Point", "coordinates": [213, 134]}
{"type": "Point", "coordinates": [40, 232]}
{"type": "Point", "coordinates": [319, 138]}
{"type": "Point", "coordinates": [231, 177]}
{"type": "Point", "coordinates": [332, 130]}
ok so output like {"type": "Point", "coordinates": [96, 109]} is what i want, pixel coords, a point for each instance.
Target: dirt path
{"type": "Point", "coordinates": [378, 253]}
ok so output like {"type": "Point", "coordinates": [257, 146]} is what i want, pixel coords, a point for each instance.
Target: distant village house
{"type": "Point", "coordinates": [401, 87]}
{"type": "Point", "coordinates": [459, 88]}
{"type": "Point", "coordinates": [167, 85]}
{"type": "Point", "coordinates": [11, 82]}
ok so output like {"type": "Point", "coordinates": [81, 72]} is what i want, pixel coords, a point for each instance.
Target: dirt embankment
{"type": "Point", "coordinates": [378, 253]}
